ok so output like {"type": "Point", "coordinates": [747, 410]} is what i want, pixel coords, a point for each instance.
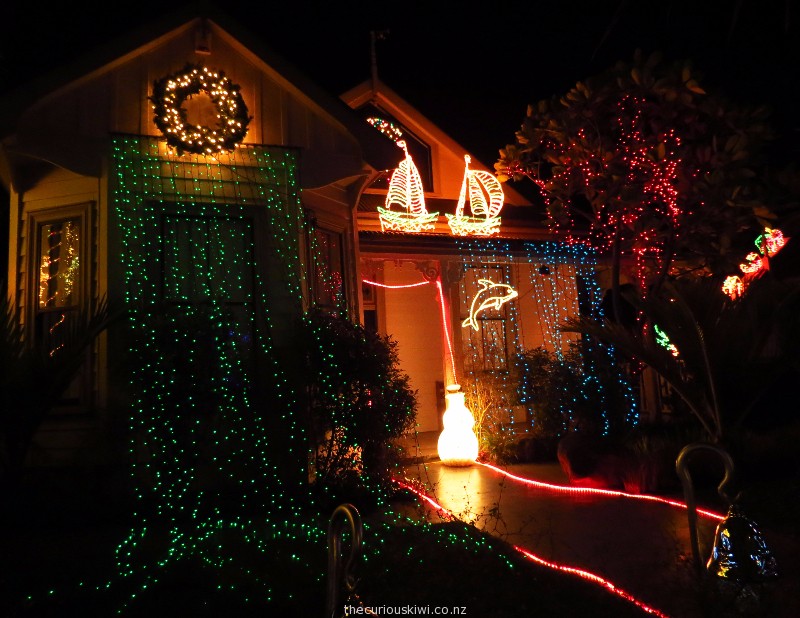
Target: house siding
{"type": "Point", "coordinates": [413, 318]}
{"type": "Point", "coordinates": [61, 150]}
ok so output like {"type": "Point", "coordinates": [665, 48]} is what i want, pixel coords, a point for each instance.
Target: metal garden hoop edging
{"type": "Point", "coordinates": [681, 466]}
{"type": "Point", "coordinates": [342, 516]}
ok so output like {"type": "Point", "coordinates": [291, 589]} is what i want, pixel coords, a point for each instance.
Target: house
{"type": "Point", "coordinates": [123, 184]}
{"type": "Point", "coordinates": [192, 175]}
{"type": "Point", "coordinates": [438, 342]}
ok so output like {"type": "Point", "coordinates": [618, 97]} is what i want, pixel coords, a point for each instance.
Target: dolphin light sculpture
{"type": "Point", "coordinates": [491, 295]}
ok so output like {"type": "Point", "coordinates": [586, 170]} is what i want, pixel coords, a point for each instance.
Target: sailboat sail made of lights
{"type": "Point", "coordinates": [486, 200]}
{"type": "Point", "coordinates": [405, 202]}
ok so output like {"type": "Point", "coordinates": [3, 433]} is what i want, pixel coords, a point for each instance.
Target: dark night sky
{"type": "Point", "coordinates": [472, 69]}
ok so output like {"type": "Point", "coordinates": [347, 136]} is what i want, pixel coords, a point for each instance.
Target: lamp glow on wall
{"type": "Point", "coordinates": [458, 444]}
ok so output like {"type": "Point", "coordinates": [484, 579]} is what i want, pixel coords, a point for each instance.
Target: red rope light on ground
{"type": "Point", "coordinates": [443, 512]}
{"type": "Point", "coordinates": [599, 492]}
{"type": "Point", "coordinates": [587, 575]}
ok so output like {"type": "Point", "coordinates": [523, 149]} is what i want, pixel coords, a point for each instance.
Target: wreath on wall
{"type": "Point", "coordinates": [169, 94]}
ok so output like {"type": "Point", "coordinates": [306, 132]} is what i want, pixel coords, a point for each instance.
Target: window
{"type": "Point", "coordinates": [487, 345]}
{"type": "Point", "coordinates": [208, 279]}
{"type": "Point", "coordinates": [205, 258]}
{"type": "Point", "coordinates": [418, 149]}
{"type": "Point", "coordinates": [328, 289]}
{"type": "Point", "coordinates": [370, 307]}
{"type": "Point", "coordinates": [59, 264]}
{"type": "Point", "coordinates": [59, 282]}
{"type": "Point", "coordinates": [59, 279]}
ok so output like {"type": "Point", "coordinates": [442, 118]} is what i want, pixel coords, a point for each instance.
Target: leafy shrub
{"type": "Point", "coordinates": [358, 402]}
{"type": "Point", "coordinates": [562, 396]}
{"type": "Point", "coordinates": [34, 373]}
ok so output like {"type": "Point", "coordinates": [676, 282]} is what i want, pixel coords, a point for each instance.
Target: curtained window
{"type": "Point", "coordinates": [208, 265]}
{"type": "Point", "coordinates": [488, 344]}
{"type": "Point", "coordinates": [60, 279]}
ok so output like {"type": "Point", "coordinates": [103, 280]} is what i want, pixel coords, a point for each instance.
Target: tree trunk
{"type": "Point", "coordinates": [616, 260]}
{"type": "Point", "coordinates": [668, 255]}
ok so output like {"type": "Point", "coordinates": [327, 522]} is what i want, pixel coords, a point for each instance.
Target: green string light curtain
{"type": "Point", "coordinates": [212, 277]}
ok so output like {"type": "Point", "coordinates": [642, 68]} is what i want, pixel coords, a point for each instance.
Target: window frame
{"type": "Point", "coordinates": [502, 318]}
{"type": "Point", "coordinates": [314, 224]}
{"type": "Point", "coordinates": [83, 213]}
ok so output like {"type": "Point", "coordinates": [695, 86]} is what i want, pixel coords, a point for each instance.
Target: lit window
{"type": "Point", "coordinates": [59, 271]}
{"type": "Point", "coordinates": [59, 264]}
{"type": "Point", "coordinates": [59, 279]}
{"type": "Point", "coordinates": [487, 340]}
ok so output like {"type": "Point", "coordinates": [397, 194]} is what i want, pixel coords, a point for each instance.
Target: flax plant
{"type": "Point", "coordinates": [34, 375]}
{"type": "Point", "coordinates": [729, 353]}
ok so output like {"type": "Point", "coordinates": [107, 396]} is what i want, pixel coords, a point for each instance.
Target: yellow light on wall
{"type": "Point", "coordinates": [458, 444]}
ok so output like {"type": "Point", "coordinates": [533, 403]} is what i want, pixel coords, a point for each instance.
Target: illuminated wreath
{"type": "Point", "coordinates": [170, 92]}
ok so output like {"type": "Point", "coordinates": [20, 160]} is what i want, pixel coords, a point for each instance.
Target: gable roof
{"type": "Point", "coordinates": [111, 54]}
{"type": "Point", "coordinates": [381, 95]}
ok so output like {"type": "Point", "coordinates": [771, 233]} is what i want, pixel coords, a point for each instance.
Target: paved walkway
{"type": "Point", "coordinates": [642, 547]}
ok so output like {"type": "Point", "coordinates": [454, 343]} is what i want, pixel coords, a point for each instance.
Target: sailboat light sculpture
{"type": "Point", "coordinates": [486, 200]}
{"type": "Point", "coordinates": [408, 196]}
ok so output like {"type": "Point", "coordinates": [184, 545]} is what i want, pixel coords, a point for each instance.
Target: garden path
{"type": "Point", "coordinates": [642, 547]}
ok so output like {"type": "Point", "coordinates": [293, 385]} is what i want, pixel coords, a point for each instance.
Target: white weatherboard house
{"type": "Point", "coordinates": [553, 280]}
{"type": "Point", "coordinates": [111, 195]}
{"type": "Point", "coordinates": [187, 167]}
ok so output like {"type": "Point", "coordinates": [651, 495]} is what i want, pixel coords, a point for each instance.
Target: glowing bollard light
{"type": "Point", "coordinates": [458, 444]}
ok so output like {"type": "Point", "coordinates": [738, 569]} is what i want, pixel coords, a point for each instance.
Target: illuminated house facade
{"type": "Point", "coordinates": [111, 196]}
{"type": "Point", "coordinates": [244, 227]}
{"type": "Point", "coordinates": [456, 336]}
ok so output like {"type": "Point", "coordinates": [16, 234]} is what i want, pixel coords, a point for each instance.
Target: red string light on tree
{"type": "Point", "coordinates": [631, 184]}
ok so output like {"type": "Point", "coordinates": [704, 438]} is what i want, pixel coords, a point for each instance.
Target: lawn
{"type": "Point", "coordinates": [60, 533]}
